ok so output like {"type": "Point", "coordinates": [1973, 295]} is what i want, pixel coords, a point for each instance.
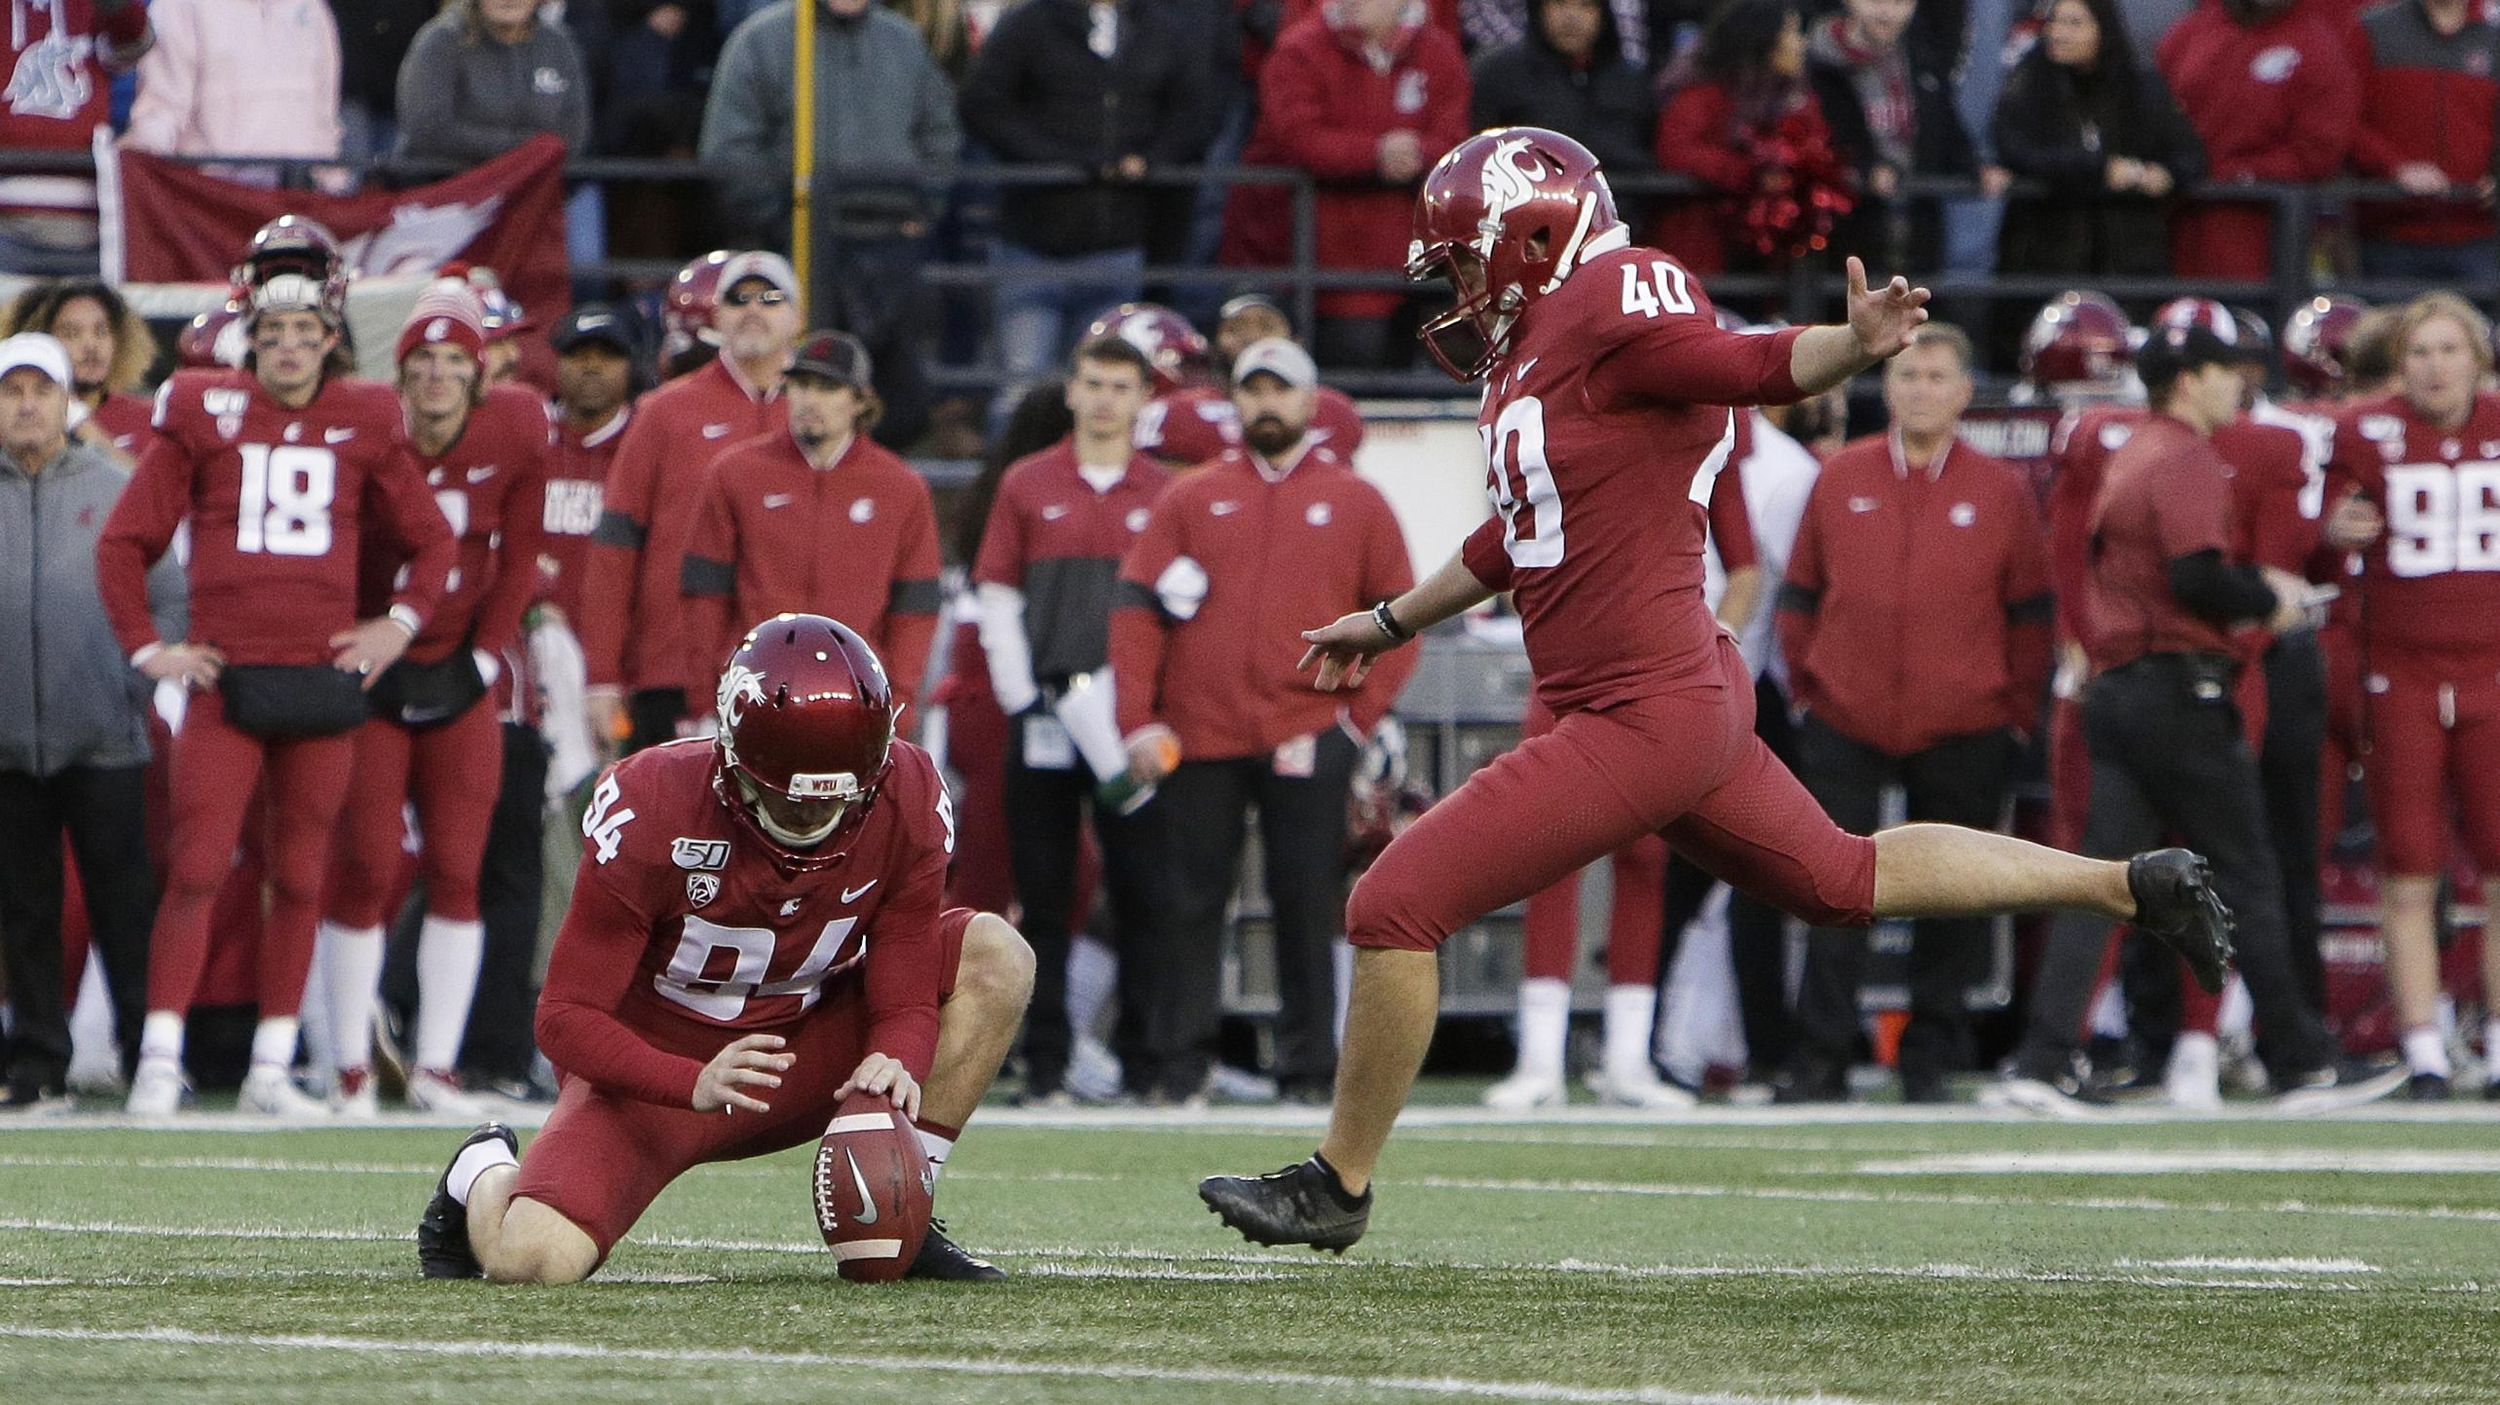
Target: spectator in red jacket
{"type": "Point", "coordinates": [2428, 105]}
{"type": "Point", "coordinates": [61, 59]}
{"type": "Point", "coordinates": [2274, 96]}
{"type": "Point", "coordinates": [1915, 620]}
{"type": "Point", "coordinates": [1365, 95]}
{"type": "Point", "coordinates": [816, 518]}
{"type": "Point", "coordinates": [1205, 662]}
{"type": "Point", "coordinates": [1747, 124]}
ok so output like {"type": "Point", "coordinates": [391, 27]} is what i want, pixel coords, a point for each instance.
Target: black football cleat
{"type": "Point", "coordinates": [443, 1235]}
{"type": "Point", "coordinates": [1301, 1204]}
{"type": "Point", "coordinates": [943, 1259]}
{"type": "Point", "coordinates": [2175, 901]}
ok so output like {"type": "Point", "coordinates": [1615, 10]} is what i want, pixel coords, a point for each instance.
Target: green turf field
{"type": "Point", "coordinates": [1739, 1256]}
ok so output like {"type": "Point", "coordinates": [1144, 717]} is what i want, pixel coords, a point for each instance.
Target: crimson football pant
{"type": "Point", "coordinates": [2166, 761]}
{"type": "Point", "coordinates": [216, 767]}
{"type": "Point", "coordinates": [1302, 823]}
{"type": "Point", "coordinates": [104, 811]}
{"type": "Point", "coordinates": [1633, 932]}
{"type": "Point", "coordinates": [452, 771]}
{"type": "Point", "coordinates": [602, 1159]}
{"type": "Point", "coordinates": [1685, 764]}
{"type": "Point", "coordinates": [1960, 780]}
{"type": "Point", "coordinates": [1046, 809]}
{"type": "Point", "coordinates": [2434, 724]}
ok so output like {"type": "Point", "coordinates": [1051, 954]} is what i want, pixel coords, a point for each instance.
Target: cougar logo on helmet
{"type": "Point", "coordinates": [1510, 181]}
{"type": "Point", "coordinates": [740, 688]}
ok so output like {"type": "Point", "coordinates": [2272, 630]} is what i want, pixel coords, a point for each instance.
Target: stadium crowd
{"type": "Point", "coordinates": [2206, 613]}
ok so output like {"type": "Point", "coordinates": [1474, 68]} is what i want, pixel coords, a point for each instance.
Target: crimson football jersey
{"type": "Point", "coordinates": [1605, 427]}
{"type": "Point", "coordinates": [125, 421]}
{"type": "Point", "coordinates": [1192, 425]}
{"type": "Point", "coordinates": [577, 481]}
{"type": "Point", "coordinates": [682, 922]}
{"type": "Point", "coordinates": [2433, 581]}
{"type": "Point", "coordinates": [276, 501]}
{"type": "Point", "coordinates": [490, 486]}
{"type": "Point", "coordinates": [2080, 452]}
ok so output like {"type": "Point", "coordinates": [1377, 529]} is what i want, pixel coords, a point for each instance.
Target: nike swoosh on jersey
{"type": "Point", "coordinates": [714, 431]}
{"type": "Point", "coordinates": [1224, 509]}
{"type": "Point", "coordinates": [773, 500]}
{"type": "Point", "coordinates": [852, 895]}
{"type": "Point", "coordinates": [337, 436]}
{"type": "Point", "coordinates": [480, 475]}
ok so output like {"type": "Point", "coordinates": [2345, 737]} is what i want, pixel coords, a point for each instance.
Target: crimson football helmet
{"type": "Point", "coordinates": [214, 338]}
{"type": "Point", "coordinates": [2079, 337]}
{"type": "Point", "coordinates": [294, 263]}
{"type": "Point", "coordinates": [2314, 340]}
{"type": "Point", "coordinates": [806, 731]}
{"type": "Point", "coordinates": [687, 308]}
{"type": "Point", "coordinates": [1504, 217]}
{"type": "Point", "coordinates": [1176, 350]}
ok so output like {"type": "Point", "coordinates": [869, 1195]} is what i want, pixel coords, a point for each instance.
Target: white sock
{"type": "Point", "coordinates": [1544, 1023]}
{"type": "Point", "coordinates": [447, 957]}
{"type": "Point", "coordinates": [2237, 1014]}
{"type": "Point", "coordinates": [2491, 1048]}
{"type": "Point", "coordinates": [1631, 1010]}
{"type": "Point", "coordinates": [91, 1019]}
{"type": "Point", "coordinates": [161, 1036]}
{"type": "Point", "coordinates": [2426, 1052]}
{"type": "Point", "coordinates": [473, 1161]}
{"type": "Point", "coordinates": [274, 1041]}
{"type": "Point", "coordinates": [1093, 978]}
{"type": "Point", "coordinates": [936, 1147]}
{"type": "Point", "coordinates": [312, 1014]}
{"type": "Point", "coordinates": [350, 962]}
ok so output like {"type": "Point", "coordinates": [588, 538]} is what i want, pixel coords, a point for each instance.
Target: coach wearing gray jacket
{"type": "Point", "coordinates": [73, 722]}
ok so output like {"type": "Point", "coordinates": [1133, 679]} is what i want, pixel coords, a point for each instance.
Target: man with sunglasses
{"type": "Point", "coordinates": [633, 620]}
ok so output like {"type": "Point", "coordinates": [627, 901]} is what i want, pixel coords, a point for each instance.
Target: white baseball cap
{"type": "Point", "coordinates": [39, 351]}
{"type": "Point", "coordinates": [1280, 357]}
{"type": "Point", "coordinates": [759, 263]}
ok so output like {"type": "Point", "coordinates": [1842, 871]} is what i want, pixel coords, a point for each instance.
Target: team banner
{"type": "Point", "coordinates": [166, 222]}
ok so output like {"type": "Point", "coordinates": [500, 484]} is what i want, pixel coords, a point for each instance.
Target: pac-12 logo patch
{"type": "Point", "coordinates": [701, 888]}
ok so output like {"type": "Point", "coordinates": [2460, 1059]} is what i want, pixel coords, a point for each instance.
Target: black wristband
{"type": "Point", "coordinates": [1398, 633]}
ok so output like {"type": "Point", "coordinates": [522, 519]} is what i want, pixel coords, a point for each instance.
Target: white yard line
{"type": "Point", "coordinates": [2121, 1161]}
{"type": "Point", "coordinates": [1080, 1262]}
{"type": "Point", "coordinates": [2141, 1203]}
{"type": "Point", "coordinates": [892, 1366]}
{"type": "Point", "coordinates": [1240, 1120]}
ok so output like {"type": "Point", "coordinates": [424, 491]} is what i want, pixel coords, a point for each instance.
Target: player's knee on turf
{"type": "Point", "coordinates": [996, 967]}
{"type": "Point", "coordinates": [536, 1244]}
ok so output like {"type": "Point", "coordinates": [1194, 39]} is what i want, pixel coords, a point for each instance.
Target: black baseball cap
{"type": "Point", "coordinates": [2170, 352]}
{"type": "Point", "coordinates": [838, 357]}
{"type": "Point", "coordinates": [592, 322]}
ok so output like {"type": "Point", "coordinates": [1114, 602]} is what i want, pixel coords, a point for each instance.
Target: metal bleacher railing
{"type": "Point", "coordinates": [960, 267]}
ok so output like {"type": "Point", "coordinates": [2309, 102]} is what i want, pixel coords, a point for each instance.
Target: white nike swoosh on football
{"type": "Point", "coordinates": [852, 895]}
{"type": "Point", "coordinates": [337, 436]}
{"type": "Point", "coordinates": [714, 431]}
{"type": "Point", "coordinates": [867, 1203]}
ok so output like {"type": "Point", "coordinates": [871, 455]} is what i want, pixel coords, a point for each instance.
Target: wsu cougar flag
{"type": "Point", "coordinates": [166, 222]}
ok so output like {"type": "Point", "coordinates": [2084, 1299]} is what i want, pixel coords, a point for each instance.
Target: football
{"type": "Point", "coordinates": [872, 1189]}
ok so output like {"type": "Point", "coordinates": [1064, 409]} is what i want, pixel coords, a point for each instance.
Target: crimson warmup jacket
{"type": "Point", "coordinates": [632, 626]}
{"type": "Point", "coordinates": [2425, 97]}
{"type": "Point", "coordinates": [1917, 602]}
{"type": "Point", "coordinates": [1276, 553]}
{"type": "Point", "coordinates": [2274, 101]}
{"type": "Point", "coordinates": [856, 542]}
{"type": "Point", "coordinates": [1324, 105]}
